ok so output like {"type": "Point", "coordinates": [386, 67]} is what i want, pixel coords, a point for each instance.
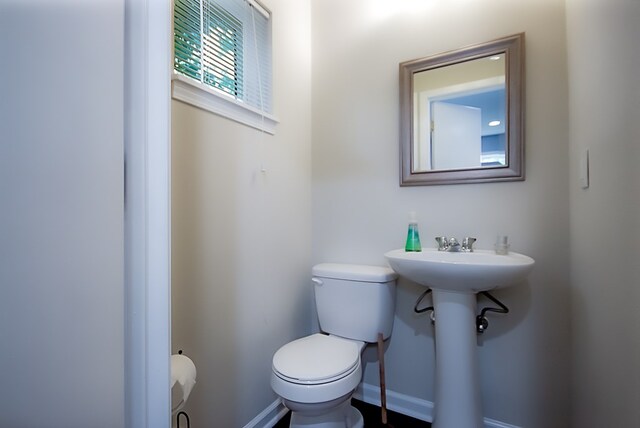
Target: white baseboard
{"type": "Point", "coordinates": [399, 403]}
{"type": "Point", "coordinates": [269, 416]}
{"type": "Point", "coordinates": [416, 408]}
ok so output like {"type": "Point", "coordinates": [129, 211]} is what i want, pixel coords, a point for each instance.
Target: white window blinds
{"type": "Point", "coordinates": [226, 45]}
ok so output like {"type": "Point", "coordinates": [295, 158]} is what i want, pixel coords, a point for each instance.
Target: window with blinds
{"type": "Point", "coordinates": [225, 45]}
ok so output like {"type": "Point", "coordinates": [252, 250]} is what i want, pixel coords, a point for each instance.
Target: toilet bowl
{"type": "Point", "coordinates": [315, 376]}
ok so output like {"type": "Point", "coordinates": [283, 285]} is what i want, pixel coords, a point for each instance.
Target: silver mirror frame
{"type": "Point", "coordinates": [513, 48]}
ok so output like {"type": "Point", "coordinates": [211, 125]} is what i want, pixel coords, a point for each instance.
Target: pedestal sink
{"type": "Point", "coordinates": [455, 278]}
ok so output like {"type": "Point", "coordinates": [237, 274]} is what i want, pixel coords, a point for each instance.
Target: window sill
{"type": "Point", "coordinates": [191, 92]}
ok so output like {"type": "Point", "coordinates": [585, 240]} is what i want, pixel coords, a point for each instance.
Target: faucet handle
{"type": "Point", "coordinates": [467, 244]}
{"type": "Point", "coordinates": [443, 243]}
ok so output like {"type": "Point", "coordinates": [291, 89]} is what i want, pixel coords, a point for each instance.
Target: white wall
{"type": "Point", "coordinates": [241, 238]}
{"type": "Point", "coordinates": [359, 210]}
{"type": "Point", "coordinates": [61, 215]}
{"type": "Point", "coordinates": [605, 218]}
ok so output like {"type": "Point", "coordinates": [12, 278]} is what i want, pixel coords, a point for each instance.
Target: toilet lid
{"type": "Point", "coordinates": [316, 359]}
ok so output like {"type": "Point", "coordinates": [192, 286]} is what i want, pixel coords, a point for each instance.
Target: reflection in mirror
{"type": "Point", "coordinates": [459, 115]}
{"type": "Point", "coordinates": [462, 116]}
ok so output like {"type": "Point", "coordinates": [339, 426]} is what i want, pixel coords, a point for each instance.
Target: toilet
{"type": "Point", "coordinates": [316, 375]}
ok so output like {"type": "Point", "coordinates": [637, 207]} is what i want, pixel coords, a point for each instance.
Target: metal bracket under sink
{"type": "Point", "coordinates": [482, 322]}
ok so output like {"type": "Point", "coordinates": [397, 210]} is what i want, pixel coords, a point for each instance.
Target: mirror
{"type": "Point", "coordinates": [462, 115]}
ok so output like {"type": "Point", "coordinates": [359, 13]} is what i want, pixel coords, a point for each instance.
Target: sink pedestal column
{"type": "Point", "coordinates": [457, 387]}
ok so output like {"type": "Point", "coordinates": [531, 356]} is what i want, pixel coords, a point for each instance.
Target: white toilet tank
{"type": "Point", "coordinates": [355, 301]}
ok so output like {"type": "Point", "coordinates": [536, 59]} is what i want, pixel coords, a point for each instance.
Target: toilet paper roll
{"type": "Point", "coordinates": [183, 372]}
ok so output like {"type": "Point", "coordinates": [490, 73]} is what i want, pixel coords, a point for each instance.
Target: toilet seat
{"type": "Point", "coordinates": [316, 359]}
{"type": "Point", "coordinates": [316, 369]}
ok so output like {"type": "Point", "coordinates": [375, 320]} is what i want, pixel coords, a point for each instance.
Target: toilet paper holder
{"type": "Point", "coordinates": [183, 373]}
{"type": "Point", "coordinates": [181, 413]}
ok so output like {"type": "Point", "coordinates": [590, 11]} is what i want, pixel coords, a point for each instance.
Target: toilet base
{"type": "Point", "coordinates": [343, 416]}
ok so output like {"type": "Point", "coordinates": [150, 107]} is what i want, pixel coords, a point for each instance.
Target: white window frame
{"type": "Point", "coordinates": [210, 99]}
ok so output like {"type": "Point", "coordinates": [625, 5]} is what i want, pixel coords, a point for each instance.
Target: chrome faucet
{"type": "Point", "coordinates": [453, 246]}
{"type": "Point", "coordinates": [443, 243]}
{"type": "Point", "coordinates": [467, 244]}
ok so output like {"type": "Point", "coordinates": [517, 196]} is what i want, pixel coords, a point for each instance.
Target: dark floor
{"type": "Point", "coordinates": [372, 418]}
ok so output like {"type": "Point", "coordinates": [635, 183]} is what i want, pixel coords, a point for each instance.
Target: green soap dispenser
{"type": "Point", "coordinates": [413, 236]}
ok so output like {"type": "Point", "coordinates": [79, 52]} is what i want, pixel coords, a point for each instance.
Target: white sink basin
{"type": "Point", "coordinates": [480, 270]}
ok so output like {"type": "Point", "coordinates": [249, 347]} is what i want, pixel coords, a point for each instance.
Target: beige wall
{"type": "Point", "coordinates": [241, 238]}
{"type": "Point", "coordinates": [360, 211]}
{"type": "Point", "coordinates": [567, 353]}
{"type": "Point", "coordinates": [605, 218]}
